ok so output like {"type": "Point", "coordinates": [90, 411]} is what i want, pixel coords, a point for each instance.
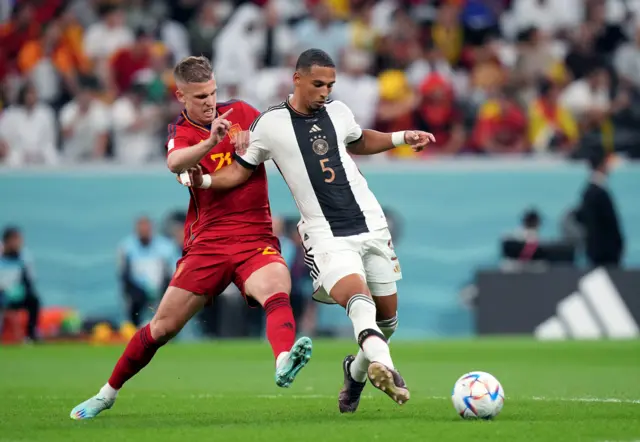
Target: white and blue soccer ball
{"type": "Point", "coordinates": [477, 395]}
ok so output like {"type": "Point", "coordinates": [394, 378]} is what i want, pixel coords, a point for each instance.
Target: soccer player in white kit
{"type": "Point", "coordinates": [343, 228]}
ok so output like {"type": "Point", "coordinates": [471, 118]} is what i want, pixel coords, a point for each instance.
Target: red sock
{"type": "Point", "coordinates": [136, 356]}
{"type": "Point", "coordinates": [281, 327]}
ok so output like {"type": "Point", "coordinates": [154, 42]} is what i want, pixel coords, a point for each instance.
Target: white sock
{"type": "Point", "coordinates": [280, 357]}
{"type": "Point", "coordinates": [362, 311]}
{"type": "Point", "coordinates": [108, 392]}
{"type": "Point", "coordinates": [359, 366]}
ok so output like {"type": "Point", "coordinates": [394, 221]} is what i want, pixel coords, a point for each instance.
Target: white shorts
{"type": "Point", "coordinates": [369, 254]}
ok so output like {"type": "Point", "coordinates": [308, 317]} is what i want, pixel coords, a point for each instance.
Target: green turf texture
{"type": "Point", "coordinates": [225, 391]}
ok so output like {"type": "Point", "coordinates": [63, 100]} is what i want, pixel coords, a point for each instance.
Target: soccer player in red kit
{"type": "Point", "coordinates": [228, 238]}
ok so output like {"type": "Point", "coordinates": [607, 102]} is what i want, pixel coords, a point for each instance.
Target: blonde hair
{"type": "Point", "coordinates": [193, 70]}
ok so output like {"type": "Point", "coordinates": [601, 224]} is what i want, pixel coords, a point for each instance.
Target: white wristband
{"type": "Point", "coordinates": [206, 182]}
{"type": "Point", "coordinates": [397, 138]}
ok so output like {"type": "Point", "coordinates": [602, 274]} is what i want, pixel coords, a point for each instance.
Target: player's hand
{"type": "Point", "coordinates": [219, 128]}
{"type": "Point", "coordinates": [191, 177]}
{"type": "Point", "coordinates": [418, 140]}
{"type": "Point", "coordinates": [241, 141]}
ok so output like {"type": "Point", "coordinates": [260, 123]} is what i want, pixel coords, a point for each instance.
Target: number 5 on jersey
{"type": "Point", "coordinates": [325, 169]}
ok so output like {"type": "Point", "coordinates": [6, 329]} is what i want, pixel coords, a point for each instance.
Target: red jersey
{"type": "Point", "coordinates": [238, 212]}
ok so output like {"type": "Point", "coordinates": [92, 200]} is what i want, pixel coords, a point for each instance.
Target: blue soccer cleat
{"type": "Point", "coordinates": [293, 362]}
{"type": "Point", "coordinates": [91, 407]}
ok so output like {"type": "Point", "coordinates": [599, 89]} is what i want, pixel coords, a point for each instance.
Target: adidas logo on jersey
{"type": "Point", "coordinates": [315, 128]}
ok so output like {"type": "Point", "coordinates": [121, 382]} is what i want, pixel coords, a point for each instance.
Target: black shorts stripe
{"type": "Point", "coordinates": [272, 108]}
{"type": "Point", "coordinates": [318, 144]}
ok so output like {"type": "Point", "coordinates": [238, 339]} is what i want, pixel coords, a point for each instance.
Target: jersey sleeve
{"type": "Point", "coordinates": [177, 138]}
{"type": "Point", "coordinates": [354, 131]}
{"type": "Point", "coordinates": [258, 150]}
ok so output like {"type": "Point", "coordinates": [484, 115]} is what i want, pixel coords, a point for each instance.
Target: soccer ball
{"type": "Point", "coordinates": [477, 395]}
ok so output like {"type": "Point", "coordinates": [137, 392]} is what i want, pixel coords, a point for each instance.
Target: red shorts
{"type": "Point", "coordinates": [208, 267]}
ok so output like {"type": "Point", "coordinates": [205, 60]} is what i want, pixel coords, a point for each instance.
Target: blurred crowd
{"type": "Point", "coordinates": [91, 80]}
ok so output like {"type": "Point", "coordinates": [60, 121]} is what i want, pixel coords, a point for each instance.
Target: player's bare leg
{"type": "Point", "coordinates": [270, 286]}
{"type": "Point", "coordinates": [175, 310]}
{"type": "Point", "coordinates": [353, 294]}
{"type": "Point", "coordinates": [355, 368]}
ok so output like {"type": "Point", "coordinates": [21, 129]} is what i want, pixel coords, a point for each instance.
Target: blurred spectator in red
{"type": "Point", "coordinates": [501, 126]}
{"type": "Point", "coordinates": [438, 114]}
{"type": "Point", "coordinates": [552, 128]}
{"type": "Point", "coordinates": [85, 122]}
{"type": "Point", "coordinates": [130, 60]}
{"type": "Point", "coordinates": [28, 131]}
{"type": "Point", "coordinates": [15, 33]}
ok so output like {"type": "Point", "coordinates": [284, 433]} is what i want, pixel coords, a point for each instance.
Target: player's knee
{"type": "Point", "coordinates": [273, 281]}
{"type": "Point", "coordinates": [164, 329]}
{"type": "Point", "coordinates": [348, 287]}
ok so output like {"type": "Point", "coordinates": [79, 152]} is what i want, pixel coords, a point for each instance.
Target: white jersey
{"type": "Point", "coordinates": [310, 151]}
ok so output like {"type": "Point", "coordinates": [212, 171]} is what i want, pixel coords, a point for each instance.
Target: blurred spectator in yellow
{"type": "Point", "coordinates": [85, 124]}
{"type": "Point", "coordinates": [73, 39]}
{"type": "Point", "coordinates": [552, 128]}
{"type": "Point", "coordinates": [49, 62]}
{"type": "Point", "coordinates": [395, 111]}
{"type": "Point", "coordinates": [501, 126]}
{"type": "Point", "coordinates": [448, 33]}
{"type": "Point", "coordinates": [363, 34]}
{"type": "Point", "coordinates": [28, 131]}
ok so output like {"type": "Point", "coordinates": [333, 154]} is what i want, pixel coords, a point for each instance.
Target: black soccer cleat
{"type": "Point", "coordinates": [349, 397]}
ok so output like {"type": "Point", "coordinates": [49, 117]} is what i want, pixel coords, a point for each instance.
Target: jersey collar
{"type": "Point", "coordinates": [193, 123]}
{"type": "Point", "coordinates": [300, 114]}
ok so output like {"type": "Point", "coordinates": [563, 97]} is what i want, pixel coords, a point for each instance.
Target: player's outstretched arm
{"type": "Point", "coordinates": [372, 142]}
{"type": "Point", "coordinates": [180, 160]}
{"type": "Point", "coordinates": [226, 178]}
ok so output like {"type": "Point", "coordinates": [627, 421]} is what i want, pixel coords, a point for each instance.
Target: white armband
{"type": "Point", "coordinates": [206, 182]}
{"type": "Point", "coordinates": [397, 138]}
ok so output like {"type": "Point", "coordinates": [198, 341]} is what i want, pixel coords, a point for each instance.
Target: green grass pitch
{"type": "Point", "coordinates": [224, 391]}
